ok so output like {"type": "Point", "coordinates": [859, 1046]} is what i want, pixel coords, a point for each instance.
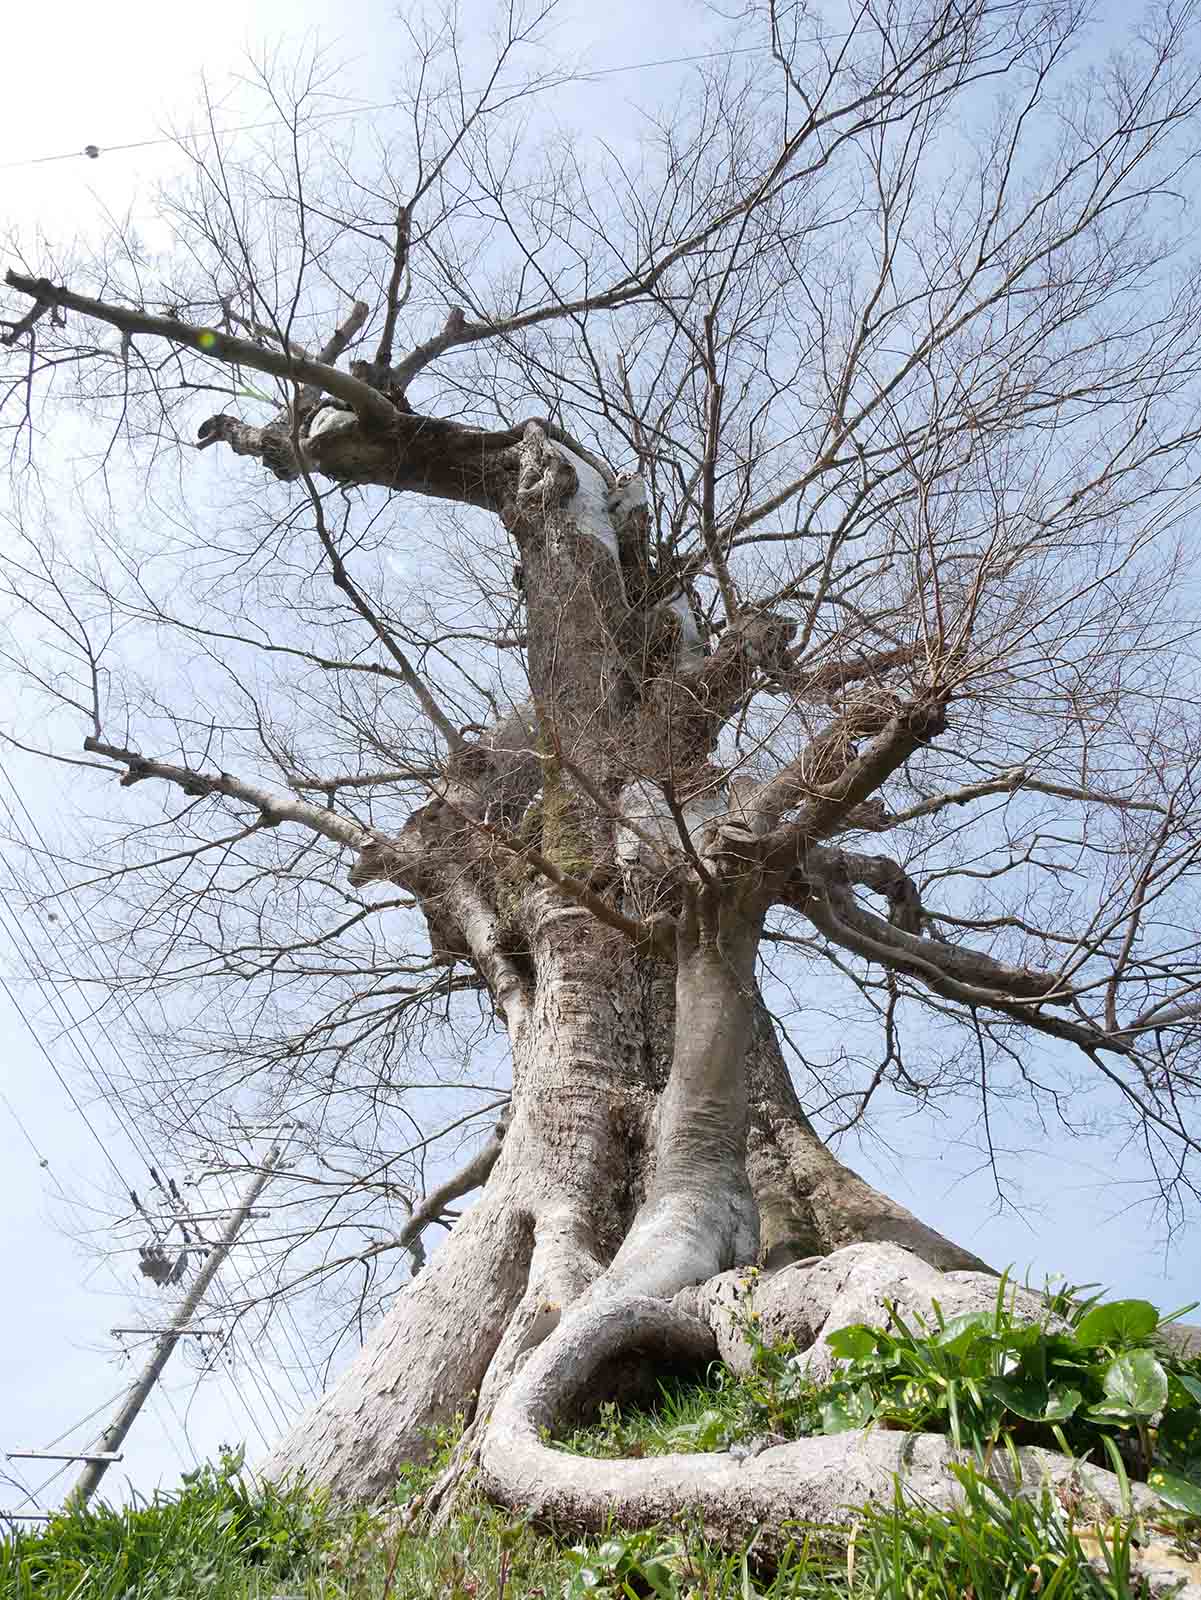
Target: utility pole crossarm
{"type": "Point", "coordinates": [179, 1333]}
{"type": "Point", "coordinates": [62, 1455]}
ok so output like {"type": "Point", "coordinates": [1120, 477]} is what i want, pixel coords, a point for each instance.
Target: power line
{"type": "Point", "coordinates": [93, 152]}
{"type": "Point", "coordinates": [43, 1161]}
{"type": "Point", "coordinates": [35, 1495]}
{"type": "Point", "coordinates": [16, 1005]}
{"type": "Point", "coordinates": [75, 1033]}
{"type": "Point", "coordinates": [185, 1115]}
{"type": "Point", "coordinates": [133, 1137]}
{"type": "Point", "coordinates": [285, 1310]}
{"type": "Point", "coordinates": [91, 1416]}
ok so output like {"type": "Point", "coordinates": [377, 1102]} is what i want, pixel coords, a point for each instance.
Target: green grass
{"type": "Point", "coordinates": [773, 1401]}
{"type": "Point", "coordinates": [1094, 1379]}
{"type": "Point", "coordinates": [214, 1536]}
{"type": "Point", "coordinates": [218, 1539]}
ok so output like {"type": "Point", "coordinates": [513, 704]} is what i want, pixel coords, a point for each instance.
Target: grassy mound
{"type": "Point", "coordinates": [1094, 1380]}
{"type": "Point", "coordinates": [219, 1539]}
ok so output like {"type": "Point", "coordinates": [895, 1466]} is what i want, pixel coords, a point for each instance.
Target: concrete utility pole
{"type": "Point", "coordinates": [112, 1437]}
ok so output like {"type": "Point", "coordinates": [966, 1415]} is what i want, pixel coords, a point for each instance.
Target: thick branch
{"type": "Point", "coordinates": [361, 397]}
{"type": "Point", "coordinates": [273, 808]}
{"type": "Point", "coordinates": [825, 805]}
{"type": "Point", "coordinates": [470, 1177]}
{"type": "Point", "coordinates": [336, 346]}
{"type": "Point", "coordinates": [956, 973]}
{"type": "Point", "coordinates": [878, 873]}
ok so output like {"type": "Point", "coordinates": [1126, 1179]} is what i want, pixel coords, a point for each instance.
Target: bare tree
{"type": "Point", "coordinates": [622, 555]}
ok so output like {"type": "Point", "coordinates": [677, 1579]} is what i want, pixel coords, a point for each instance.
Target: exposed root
{"type": "Point", "coordinates": [807, 1300]}
{"type": "Point", "coordinates": [812, 1480]}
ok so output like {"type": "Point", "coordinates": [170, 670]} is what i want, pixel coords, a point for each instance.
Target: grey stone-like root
{"type": "Point", "coordinates": [813, 1480]}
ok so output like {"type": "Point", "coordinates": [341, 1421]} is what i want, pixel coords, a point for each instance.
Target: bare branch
{"type": "Point", "coordinates": [215, 345]}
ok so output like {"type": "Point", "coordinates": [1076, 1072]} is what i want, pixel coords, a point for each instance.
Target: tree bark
{"type": "Point", "coordinates": [612, 1180]}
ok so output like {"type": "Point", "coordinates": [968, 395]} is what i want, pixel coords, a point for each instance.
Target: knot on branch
{"type": "Point", "coordinates": [376, 863]}
{"type": "Point", "coordinates": [869, 712]}
{"type": "Point", "coordinates": [269, 445]}
{"type": "Point", "coordinates": [760, 641]}
{"type": "Point", "coordinates": [546, 480]}
{"type": "Point", "coordinates": [755, 645]}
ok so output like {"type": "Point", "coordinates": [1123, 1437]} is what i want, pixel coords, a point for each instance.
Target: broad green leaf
{"type": "Point", "coordinates": [1118, 1322]}
{"type": "Point", "coordinates": [1107, 1412]}
{"type": "Point", "coordinates": [847, 1409]}
{"type": "Point", "coordinates": [1136, 1380]}
{"type": "Point", "coordinates": [661, 1578]}
{"type": "Point", "coordinates": [1193, 1385]}
{"type": "Point", "coordinates": [703, 1434]}
{"type": "Point", "coordinates": [856, 1343]}
{"type": "Point", "coordinates": [1179, 1492]}
{"type": "Point", "coordinates": [958, 1334]}
{"type": "Point", "coordinates": [1062, 1403]}
{"type": "Point", "coordinates": [1024, 1336]}
{"type": "Point", "coordinates": [1037, 1402]}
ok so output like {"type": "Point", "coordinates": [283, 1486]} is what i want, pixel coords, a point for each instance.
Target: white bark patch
{"type": "Point", "coordinates": [691, 651]}
{"type": "Point", "coordinates": [629, 496]}
{"type": "Point", "coordinates": [331, 419]}
{"type": "Point", "coordinates": [588, 507]}
{"type": "Point", "coordinates": [645, 806]}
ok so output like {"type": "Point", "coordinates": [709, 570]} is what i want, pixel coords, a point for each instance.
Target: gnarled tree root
{"type": "Point", "coordinates": [812, 1480]}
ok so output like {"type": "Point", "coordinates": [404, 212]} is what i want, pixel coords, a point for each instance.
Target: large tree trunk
{"type": "Point", "coordinates": [605, 881]}
{"type": "Point", "coordinates": [655, 1138]}
{"type": "Point", "coordinates": [594, 1143]}
{"type": "Point", "coordinates": [841, 533]}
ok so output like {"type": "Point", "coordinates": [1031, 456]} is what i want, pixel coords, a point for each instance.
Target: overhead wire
{"type": "Point", "coordinates": [42, 1161]}
{"type": "Point", "coordinates": [7, 922]}
{"type": "Point", "coordinates": [94, 151]}
{"type": "Point", "coordinates": [34, 1494]}
{"type": "Point", "coordinates": [152, 1404]}
{"type": "Point", "coordinates": [75, 1033]}
{"type": "Point", "coordinates": [80, 1041]}
{"type": "Point", "coordinates": [97, 945]}
{"type": "Point", "coordinates": [67, 1089]}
